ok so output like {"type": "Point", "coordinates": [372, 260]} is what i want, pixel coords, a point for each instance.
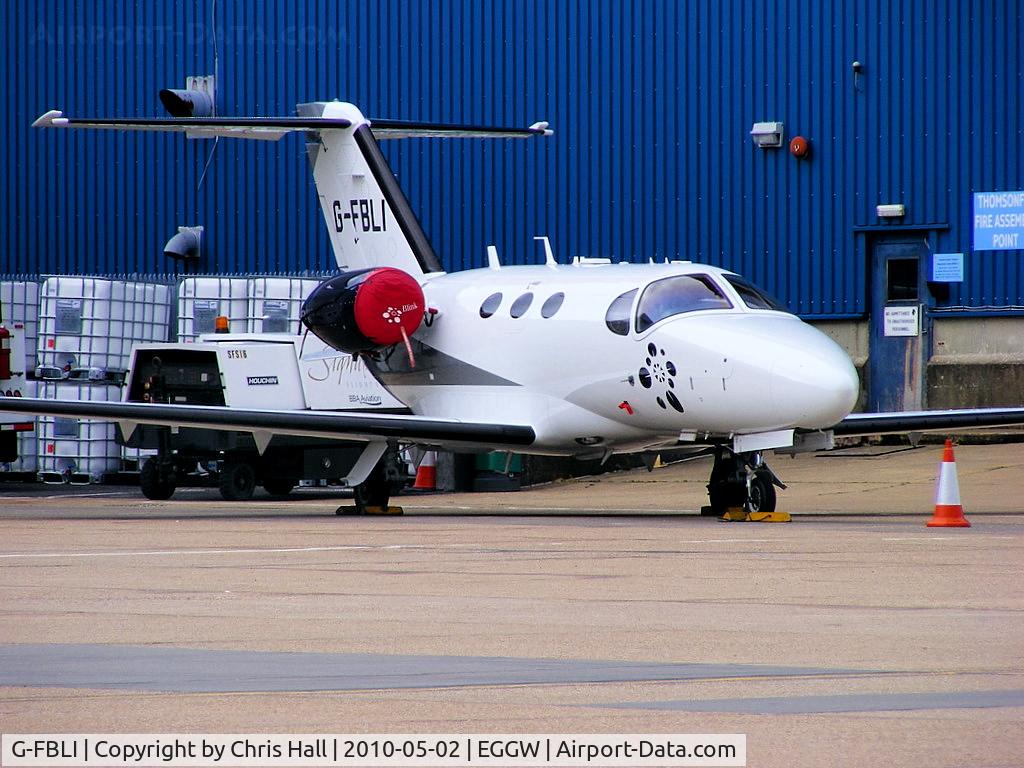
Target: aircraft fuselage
{"type": "Point", "coordinates": [682, 353]}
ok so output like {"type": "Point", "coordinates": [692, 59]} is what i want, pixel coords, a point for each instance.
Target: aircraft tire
{"type": "Point", "coordinates": [375, 491]}
{"type": "Point", "coordinates": [762, 493]}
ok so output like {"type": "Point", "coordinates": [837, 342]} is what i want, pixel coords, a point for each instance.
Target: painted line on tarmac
{"type": "Point", "coordinates": [278, 550]}
{"type": "Point", "coordinates": [818, 705]}
{"type": "Point", "coordinates": [165, 552]}
{"type": "Point", "coordinates": [55, 497]}
{"type": "Point", "coordinates": [975, 537]}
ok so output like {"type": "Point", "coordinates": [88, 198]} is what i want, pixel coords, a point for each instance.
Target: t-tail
{"type": "Point", "coordinates": [368, 217]}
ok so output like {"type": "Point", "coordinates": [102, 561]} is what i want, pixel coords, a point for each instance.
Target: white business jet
{"type": "Point", "coordinates": [586, 359]}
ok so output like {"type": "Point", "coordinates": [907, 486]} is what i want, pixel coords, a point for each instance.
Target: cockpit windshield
{"type": "Point", "coordinates": [676, 295]}
{"type": "Point", "coordinates": [752, 296]}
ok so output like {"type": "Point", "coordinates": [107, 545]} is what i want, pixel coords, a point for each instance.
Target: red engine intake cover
{"type": "Point", "coordinates": [388, 301]}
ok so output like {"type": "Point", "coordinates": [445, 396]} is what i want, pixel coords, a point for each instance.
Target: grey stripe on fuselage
{"type": "Point", "coordinates": [433, 367]}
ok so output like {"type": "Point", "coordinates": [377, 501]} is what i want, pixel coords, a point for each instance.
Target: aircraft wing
{"type": "Point", "coordinates": [956, 420]}
{"type": "Point", "coordinates": [263, 423]}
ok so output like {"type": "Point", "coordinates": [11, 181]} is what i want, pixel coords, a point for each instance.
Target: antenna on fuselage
{"type": "Point", "coordinates": [492, 257]}
{"type": "Point", "coordinates": [549, 256]}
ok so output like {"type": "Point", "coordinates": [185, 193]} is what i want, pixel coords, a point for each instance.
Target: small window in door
{"type": "Point", "coordinates": [902, 280]}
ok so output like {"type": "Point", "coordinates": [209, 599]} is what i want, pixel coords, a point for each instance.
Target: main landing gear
{"type": "Point", "coordinates": [373, 495]}
{"type": "Point", "coordinates": [741, 481]}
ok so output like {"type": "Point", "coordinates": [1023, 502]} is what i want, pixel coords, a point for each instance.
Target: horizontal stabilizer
{"type": "Point", "coordinates": [266, 128]}
{"type": "Point", "coordinates": [407, 129]}
{"type": "Point", "coordinates": [273, 128]}
{"type": "Point", "coordinates": [369, 220]}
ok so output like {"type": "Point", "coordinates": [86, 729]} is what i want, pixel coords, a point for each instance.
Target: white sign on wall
{"type": "Point", "coordinates": [947, 267]}
{"type": "Point", "coordinates": [902, 321]}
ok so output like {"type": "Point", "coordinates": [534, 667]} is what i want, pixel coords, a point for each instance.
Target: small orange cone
{"type": "Point", "coordinates": [426, 473]}
{"type": "Point", "coordinates": [949, 513]}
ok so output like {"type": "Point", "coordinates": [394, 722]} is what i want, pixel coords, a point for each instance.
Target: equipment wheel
{"type": "Point", "coordinates": [157, 479]}
{"type": "Point", "coordinates": [237, 480]}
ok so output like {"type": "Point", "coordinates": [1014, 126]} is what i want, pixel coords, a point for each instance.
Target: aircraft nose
{"type": "Point", "coordinates": [817, 383]}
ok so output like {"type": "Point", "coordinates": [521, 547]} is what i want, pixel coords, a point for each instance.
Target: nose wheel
{"type": "Point", "coordinates": [741, 481]}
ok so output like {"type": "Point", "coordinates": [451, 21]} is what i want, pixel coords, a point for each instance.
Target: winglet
{"type": "Point", "coordinates": [542, 127]}
{"type": "Point", "coordinates": [52, 119]}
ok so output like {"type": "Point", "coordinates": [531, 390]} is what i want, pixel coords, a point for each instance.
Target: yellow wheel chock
{"type": "Point", "coordinates": [740, 515]}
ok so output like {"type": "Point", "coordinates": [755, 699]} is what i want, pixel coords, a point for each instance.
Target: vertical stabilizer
{"type": "Point", "coordinates": [368, 217]}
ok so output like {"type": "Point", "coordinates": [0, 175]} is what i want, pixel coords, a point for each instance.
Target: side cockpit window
{"type": "Point", "coordinates": [752, 296]}
{"type": "Point", "coordinates": [617, 316]}
{"type": "Point", "coordinates": [676, 295]}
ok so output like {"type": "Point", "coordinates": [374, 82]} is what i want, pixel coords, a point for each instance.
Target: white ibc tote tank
{"type": "Point", "coordinates": [93, 322]}
{"type": "Point", "coordinates": [76, 450]}
{"type": "Point", "coordinates": [202, 299]}
{"type": "Point", "coordinates": [275, 303]}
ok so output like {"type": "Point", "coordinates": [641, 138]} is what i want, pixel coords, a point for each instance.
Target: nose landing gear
{"type": "Point", "coordinates": [741, 481]}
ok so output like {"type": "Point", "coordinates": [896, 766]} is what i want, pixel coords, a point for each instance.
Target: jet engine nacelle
{"type": "Point", "coordinates": [365, 310]}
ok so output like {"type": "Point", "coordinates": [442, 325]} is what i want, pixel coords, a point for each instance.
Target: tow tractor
{"type": "Point", "coordinates": [12, 384]}
{"type": "Point", "coordinates": [254, 371]}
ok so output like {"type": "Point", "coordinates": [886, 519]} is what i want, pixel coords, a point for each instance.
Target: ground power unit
{"type": "Point", "coordinates": [271, 371]}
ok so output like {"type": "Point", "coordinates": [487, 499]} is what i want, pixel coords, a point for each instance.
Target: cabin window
{"type": "Point", "coordinates": [617, 316]}
{"type": "Point", "coordinates": [752, 296]}
{"type": "Point", "coordinates": [520, 305]}
{"type": "Point", "coordinates": [490, 305]}
{"type": "Point", "coordinates": [676, 295]}
{"type": "Point", "coordinates": [552, 305]}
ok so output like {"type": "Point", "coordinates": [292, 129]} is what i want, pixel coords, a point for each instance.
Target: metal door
{"type": "Point", "coordinates": [899, 324]}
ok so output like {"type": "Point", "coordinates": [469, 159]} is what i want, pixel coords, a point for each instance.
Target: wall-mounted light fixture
{"type": "Point", "coordinates": [891, 210]}
{"type": "Point", "coordinates": [766, 135]}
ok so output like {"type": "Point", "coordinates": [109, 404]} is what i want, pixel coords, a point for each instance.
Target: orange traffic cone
{"type": "Point", "coordinates": [426, 473]}
{"type": "Point", "coordinates": [949, 513]}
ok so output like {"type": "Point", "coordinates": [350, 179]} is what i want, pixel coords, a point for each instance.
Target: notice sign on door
{"type": "Point", "coordinates": [902, 321]}
{"type": "Point", "coordinates": [998, 220]}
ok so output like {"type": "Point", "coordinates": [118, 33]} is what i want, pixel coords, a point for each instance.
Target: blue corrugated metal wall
{"type": "Point", "coordinates": [652, 103]}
